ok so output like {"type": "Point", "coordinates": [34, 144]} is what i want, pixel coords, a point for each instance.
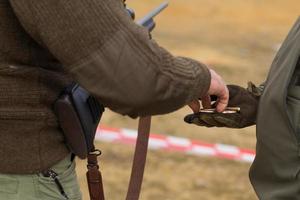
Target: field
{"type": "Point", "coordinates": [239, 40]}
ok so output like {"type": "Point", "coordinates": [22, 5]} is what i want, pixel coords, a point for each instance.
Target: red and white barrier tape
{"type": "Point", "coordinates": [179, 144]}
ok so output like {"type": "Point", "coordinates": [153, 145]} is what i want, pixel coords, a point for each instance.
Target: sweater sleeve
{"type": "Point", "coordinates": [111, 56]}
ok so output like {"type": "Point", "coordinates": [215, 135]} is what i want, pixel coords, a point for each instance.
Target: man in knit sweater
{"type": "Point", "coordinates": [44, 45]}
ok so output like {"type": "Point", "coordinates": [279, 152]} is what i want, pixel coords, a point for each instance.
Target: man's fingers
{"type": "Point", "coordinates": [195, 106]}
{"type": "Point", "coordinates": [221, 107]}
{"type": "Point", "coordinates": [223, 100]}
{"type": "Point", "coordinates": [219, 89]}
{"type": "Point", "coordinates": [206, 101]}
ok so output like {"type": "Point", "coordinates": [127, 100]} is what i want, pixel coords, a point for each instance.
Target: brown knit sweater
{"type": "Point", "coordinates": [46, 44]}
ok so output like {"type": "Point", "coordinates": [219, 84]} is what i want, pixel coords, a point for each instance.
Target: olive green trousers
{"type": "Point", "coordinates": [39, 187]}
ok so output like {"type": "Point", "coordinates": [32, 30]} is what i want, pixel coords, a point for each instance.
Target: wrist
{"type": "Point", "coordinates": [201, 83]}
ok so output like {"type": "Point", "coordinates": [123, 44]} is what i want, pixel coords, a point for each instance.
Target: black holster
{"type": "Point", "coordinates": [79, 114]}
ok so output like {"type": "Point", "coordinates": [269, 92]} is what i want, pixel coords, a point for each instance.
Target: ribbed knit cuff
{"type": "Point", "coordinates": [201, 82]}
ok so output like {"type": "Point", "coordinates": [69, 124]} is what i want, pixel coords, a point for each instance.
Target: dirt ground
{"type": "Point", "coordinates": [236, 38]}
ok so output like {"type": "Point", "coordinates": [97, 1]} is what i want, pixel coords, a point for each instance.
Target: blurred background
{"type": "Point", "coordinates": [237, 38]}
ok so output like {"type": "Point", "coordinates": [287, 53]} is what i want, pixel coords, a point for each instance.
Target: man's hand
{"type": "Point", "coordinates": [218, 89]}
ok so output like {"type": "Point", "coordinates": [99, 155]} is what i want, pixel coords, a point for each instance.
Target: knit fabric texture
{"type": "Point", "coordinates": [44, 45]}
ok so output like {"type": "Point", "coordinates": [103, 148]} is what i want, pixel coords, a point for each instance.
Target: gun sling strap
{"type": "Point", "coordinates": [94, 178]}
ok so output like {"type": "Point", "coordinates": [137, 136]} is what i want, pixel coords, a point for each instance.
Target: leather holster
{"type": "Point", "coordinates": [79, 114]}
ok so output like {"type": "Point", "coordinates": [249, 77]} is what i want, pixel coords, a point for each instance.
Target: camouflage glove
{"type": "Point", "coordinates": [246, 99]}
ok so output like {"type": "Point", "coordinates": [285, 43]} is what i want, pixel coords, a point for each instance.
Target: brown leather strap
{"type": "Point", "coordinates": [139, 160]}
{"type": "Point", "coordinates": [94, 177]}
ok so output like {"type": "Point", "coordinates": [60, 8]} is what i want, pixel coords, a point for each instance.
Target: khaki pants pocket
{"type": "Point", "coordinates": [48, 189]}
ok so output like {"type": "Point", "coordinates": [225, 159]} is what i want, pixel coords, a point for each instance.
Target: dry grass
{"type": "Point", "coordinates": [238, 39]}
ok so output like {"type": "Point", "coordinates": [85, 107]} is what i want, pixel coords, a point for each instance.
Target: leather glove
{"type": "Point", "coordinates": [246, 99]}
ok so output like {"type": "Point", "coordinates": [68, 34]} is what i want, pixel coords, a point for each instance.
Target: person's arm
{"type": "Point", "coordinates": [112, 57]}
